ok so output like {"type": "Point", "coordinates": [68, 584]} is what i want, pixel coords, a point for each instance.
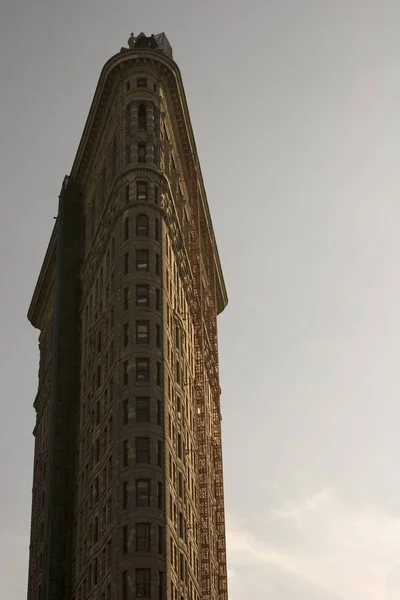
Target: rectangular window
{"type": "Point", "coordinates": [157, 264]}
{"type": "Point", "coordinates": [160, 539]}
{"type": "Point", "coordinates": [157, 230]}
{"type": "Point", "coordinates": [141, 153]}
{"type": "Point", "coordinates": [156, 194]}
{"type": "Point", "coordinates": [158, 336]}
{"type": "Point", "coordinates": [125, 412]}
{"type": "Point", "coordinates": [127, 194]}
{"type": "Point", "coordinates": [160, 495]}
{"type": "Point", "coordinates": [161, 586]}
{"type": "Point", "coordinates": [159, 412]}
{"type": "Point", "coordinates": [142, 295]}
{"type": "Point", "coordinates": [127, 86]}
{"type": "Point", "coordinates": [159, 374]}
{"type": "Point", "coordinates": [158, 299]}
{"type": "Point", "coordinates": [126, 263]}
{"type": "Point", "coordinates": [125, 453]}
{"type": "Point", "coordinates": [124, 539]}
{"type": "Point", "coordinates": [143, 583]}
{"type": "Point", "coordinates": [142, 332]}
{"type": "Point", "coordinates": [141, 82]}
{"type": "Point", "coordinates": [125, 585]}
{"type": "Point", "coordinates": [181, 526]}
{"type": "Point", "coordinates": [125, 377]}
{"type": "Point", "coordinates": [142, 447]}
{"type": "Point", "coordinates": [142, 260]}
{"type": "Point", "coordinates": [142, 409]}
{"type": "Point", "coordinates": [143, 537]}
{"type": "Point", "coordinates": [159, 453]}
{"type": "Point", "coordinates": [142, 492]}
{"type": "Point", "coordinates": [142, 369]}
{"type": "Point", "coordinates": [126, 298]}
{"type": "Point", "coordinates": [126, 228]}
{"type": "Point", "coordinates": [180, 484]}
{"type": "Point", "coordinates": [125, 494]}
{"type": "Point", "coordinates": [126, 334]}
{"type": "Point", "coordinates": [142, 190]}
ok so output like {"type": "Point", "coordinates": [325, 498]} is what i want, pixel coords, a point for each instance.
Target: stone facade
{"type": "Point", "coordinates": [139, 521]}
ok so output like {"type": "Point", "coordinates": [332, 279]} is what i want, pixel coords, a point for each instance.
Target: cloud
{"type": "Point", "coordinates": [337, 549]}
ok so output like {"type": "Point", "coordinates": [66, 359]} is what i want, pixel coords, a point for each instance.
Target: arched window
{"type": "Point", "coordinates": [142, 117]}
{"type": "Point", "coordinates": [142, 225]}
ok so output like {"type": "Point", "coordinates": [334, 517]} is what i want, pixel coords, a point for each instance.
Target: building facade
{"type": "Point", "coordinates": [127, 486]}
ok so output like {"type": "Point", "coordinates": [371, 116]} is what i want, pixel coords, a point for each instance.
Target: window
{"type": "Point", "coordinates": [142, 332]}
{"type": "Point", "coordinates": [143, 583]}
{"type": "Point", "coordinates": [142, 226]}
{"type": "Point", "coordinates": [141, 153]}
{"type": "Point", "coordinates": [128, 154]}
{"type": "Point", "coordinates": [157, 230]}
{"type": "Point", "coordinates": [158, 336]}
{"type": "Point", "coordinates": [142, 190]}
{"type": "Point", "coordinates": [126, 263]}
{"type": "Point", "coordinates": [159, 412]}
{"type": "Point", "coordinates": [142, 492]}
{"type": "Point", "coordinates": [125, 494]}
{"type": "Point", "coordinates": [126, 228]}
{"type": "Point", "coordinates": [142, 409]}
{"type": "Point", "coordinates": [127, 194]}
{"type": "Point", "coordinates": [142, 260]}
{"type": "Point", "coordinates": [160, 539]}
{"type": "Point", "coordinates": [125, 585]}
{"type": "Point", "coordinates": [156, 194]}
{"type": "Point", "coordinates": [125, 378]}
{"type": "Point", "coordinates": [143, 536]}
{"type": "Point", "coordinates": [181, 526]}
{"type": "Point", "coordinates": [141, 82]}
{"type": "Point", "coordinates": [158, 299]}
{"type": "Point", "coordinates": [126, 334]}
{"type": "Point", "coordinates": [142, 117]}
{"type": "Point", "coordinates": [160, 495]}
{"type": "Point", "coordinates": [180, 484]}
{"type": "Point", "coordinates": [125, 412]}
{"type": "Point", "coordinates": [159, 374]}
{"type": "Point", "coordinates": [142, 369]}
{"type": "Point", "coordinates": [159, 453]}
{"type": "Point", "coordinates": [126, 298]}
{"type": "Point", "coordinates": [157, 264]}
{"type": "Point", "coordinates": [142, 295]}
{"type": "Point", "coordinates": [124, 539]}
{"type": "Point", "coordinates": [142, 446]}
{"type": "Point", "coordinates": [125, 453]}
{"type": "Point", "coordinates": [127, 86]}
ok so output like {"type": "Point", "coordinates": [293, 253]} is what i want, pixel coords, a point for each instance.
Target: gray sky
{"type": "Point", "coordinates": [296, 111]}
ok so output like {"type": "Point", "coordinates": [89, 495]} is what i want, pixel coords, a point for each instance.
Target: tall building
{"type": "Point", "coordinates": [127, 487]}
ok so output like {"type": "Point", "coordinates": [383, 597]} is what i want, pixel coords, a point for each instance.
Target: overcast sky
{"type": "Point", "coordinates": [296, 111]}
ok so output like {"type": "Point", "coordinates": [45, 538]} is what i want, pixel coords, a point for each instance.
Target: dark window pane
{"type": "Point", "coordinates": [142, 190]}
{"type": "Point", "coordinates": [142, 446]}
{"type": "Point", "coordinates": [143, 536]}
{"type": "Point", "coordinates": [142, 492]}
{"type": "Point", "coordinates": [142, 226]}
{"type": "Point", "coordinates": [142, 332]}
{"type": "Point", "coordinates": [142, 295]}
{"type": "Point", "coordinates": [143, 583]}
{"type": "Point", "coordinates": [142, 260]}
{"type": "Point", "coordinates": [142, 409]}
{"type": "Point", "coordinates": [142, 369]}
